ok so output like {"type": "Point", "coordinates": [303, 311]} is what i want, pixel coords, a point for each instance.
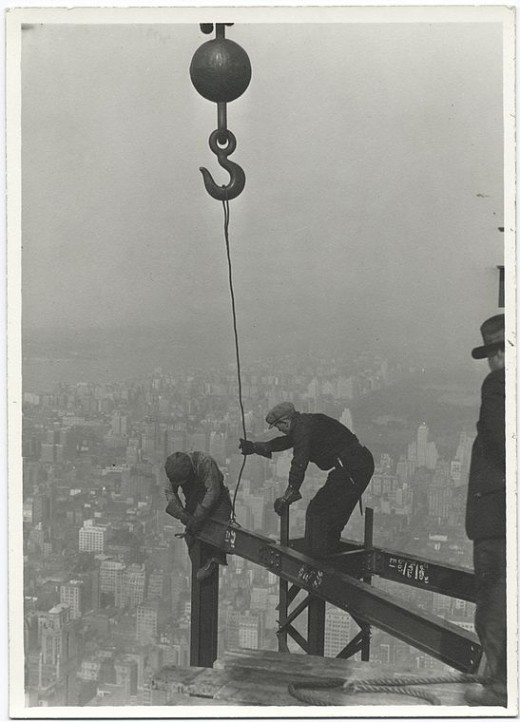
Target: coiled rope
{"type": "Point", "coordinates": [302, 691]}
{"type": "Point", "coordinates": [225, 204]}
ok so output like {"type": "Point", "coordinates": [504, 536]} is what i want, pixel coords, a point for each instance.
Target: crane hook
{"type": "Point", "coordinates": [237, 176]}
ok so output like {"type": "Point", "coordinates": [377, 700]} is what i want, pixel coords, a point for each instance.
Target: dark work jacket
{"type": "Point", "coordinates": [205, 493]}
{"type": "Point", "coordinates": [486, 503]}
{"type": "Point", "coordinates": [317, 438]}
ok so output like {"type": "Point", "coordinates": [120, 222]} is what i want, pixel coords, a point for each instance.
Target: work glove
{"type": "Point", "coordinates": [198, 520]}
{"type": "Point", "coordinates": [254, 447]}
{"type": "Point", "coordinates": [283, 502]}
{"type": "Point", "coordinates": [194, 525]}
{"type": "Point", "coordinates": [247, 447]}
{"type": "Point", "coordinates": [174, 508]}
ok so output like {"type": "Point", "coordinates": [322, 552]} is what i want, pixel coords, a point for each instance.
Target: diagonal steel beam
{"type": "Point", "coordinates": [437, 637]}
{"type": "Point", "coordinates": [297, 611]}
{"type": "Point", "coordinates": [353, 647]}
{"type": "Point", "coordinates": [292, 632]}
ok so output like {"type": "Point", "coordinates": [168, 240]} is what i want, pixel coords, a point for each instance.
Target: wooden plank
{"type": "Point", "coordinates": [253, 677]}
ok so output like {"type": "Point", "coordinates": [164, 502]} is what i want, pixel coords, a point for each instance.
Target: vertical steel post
{"type": "Point", "coordinates": [283, 601]}
{"type": "Point", "coordinates": [204, 610]}
{"type": "Point", "coordinates": [367, 578]}
{"type": "Point", "coordinates": [501, 289]}
{"type": "Point", "coordinates": [316, 626]}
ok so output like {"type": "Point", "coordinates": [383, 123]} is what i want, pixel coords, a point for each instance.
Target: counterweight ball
{"type": "Point", "coordinates": [220, 70]}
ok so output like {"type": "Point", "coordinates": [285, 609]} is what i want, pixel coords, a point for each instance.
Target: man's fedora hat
{"type": "Point", "coordinates": [280, 411]}
{"type": "Point", "coordinates": [492, 332]}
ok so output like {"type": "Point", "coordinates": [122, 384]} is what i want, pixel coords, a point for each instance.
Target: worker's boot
{"type": "Point", "coordinates": [210, 566]}
{"type": "Point", "coordinates": [485, 697]}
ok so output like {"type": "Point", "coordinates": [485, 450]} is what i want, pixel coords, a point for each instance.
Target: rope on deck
{"type": "Point", "coordinates": [302, 690]}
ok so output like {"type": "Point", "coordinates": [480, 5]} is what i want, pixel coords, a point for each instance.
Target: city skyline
{"type": "Point", "coordinates": [94, 456]}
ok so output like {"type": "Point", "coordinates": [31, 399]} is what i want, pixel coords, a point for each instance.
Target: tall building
{"type": "Point", "coordinates": [249, 630]}
{"type": "Point", "coordinates": [73, 594]}
{"type": "Point", "coordinates": [55, 618]}
{"type": "Point", "coordinates": [147, 622]}
{"type": "Point", "coordinates": [41, 508]}
{"type": "Point", "coordinates": [111, 578]}
{"type": "Point", "coordinates": [57, 662]}
{"type": "Point", "coordinates": [422, 444]}
{"type": "Point", "coordinates": [157, 586]}
{"type": "Point", "coordinates": [421, 452]}
{"type": "Point", "coordinates": [92, 538]}
{"type": "Point", "coordinates": [126, 675]}
{"type": "Point", "coordinates": [133, 586]}
{"type": "Point", "coordinates": [337, 630]}
{"type": "Point", "coordinates": [440, 502]}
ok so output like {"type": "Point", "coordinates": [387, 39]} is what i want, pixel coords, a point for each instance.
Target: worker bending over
{"type": "Point", "coordinates": [202, 484]}
{"type": "Point", "coordinates": [332, 447]}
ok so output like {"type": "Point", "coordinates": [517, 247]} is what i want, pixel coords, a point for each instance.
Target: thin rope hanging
{"type": "Point", "coordinates": [225, 205]}
{"type": "Point", "coordinates": [220, 70]}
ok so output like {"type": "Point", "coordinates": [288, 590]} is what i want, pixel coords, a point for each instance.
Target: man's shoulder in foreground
{"type": "Point", "coordinates": [495, 380]}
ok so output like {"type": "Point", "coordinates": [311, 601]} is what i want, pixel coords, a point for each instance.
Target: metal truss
{"type": "Point", "coordinates": [343, 580]}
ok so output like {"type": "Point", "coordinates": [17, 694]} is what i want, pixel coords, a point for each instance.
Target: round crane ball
{"type": "Point", "coordinates": [220, 70]}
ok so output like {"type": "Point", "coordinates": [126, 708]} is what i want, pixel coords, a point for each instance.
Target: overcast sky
{"type": "Point", "coordinates": [374, 164]}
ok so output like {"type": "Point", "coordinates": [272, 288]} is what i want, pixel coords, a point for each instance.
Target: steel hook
{"type": "Point", "coordinates": [237, 176]}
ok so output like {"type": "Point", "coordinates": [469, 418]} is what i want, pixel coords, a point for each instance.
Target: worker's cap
{"type": "Point", "coordinates": [492, 332]}
{"type": "Point", "coordinates": [281, 411]}
{"type": "Point", "coordinates": [178, 468]}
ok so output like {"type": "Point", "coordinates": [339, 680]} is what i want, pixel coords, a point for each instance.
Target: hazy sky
{"type": "Point", "coordinates": [374, 164]}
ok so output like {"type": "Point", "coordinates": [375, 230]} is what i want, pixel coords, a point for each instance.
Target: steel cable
{"type": "Point", "coordinates": [225, 205]}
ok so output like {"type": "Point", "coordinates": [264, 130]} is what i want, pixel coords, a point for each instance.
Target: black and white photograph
{"type": "Point", "coordinates": [261, 362]}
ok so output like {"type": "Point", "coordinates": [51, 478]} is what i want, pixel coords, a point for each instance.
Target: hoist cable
{"type": "Point", "coordinates": [225, 204]}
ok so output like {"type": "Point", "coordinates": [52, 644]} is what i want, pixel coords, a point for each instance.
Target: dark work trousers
{"type": "Point", "coordinates": [329, 511]}
{"type": "Point", "coordinates": [221, 511]}
{"type": "Point", "coordinates": [489, 561]}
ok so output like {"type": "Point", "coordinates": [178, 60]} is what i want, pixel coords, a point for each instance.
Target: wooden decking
{"type": "Point", "coordinates": [250, 677]}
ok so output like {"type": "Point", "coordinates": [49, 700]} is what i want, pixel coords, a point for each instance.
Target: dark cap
{"type": "Point", "coordinates": [178, 468]}
{"type": "Point", "coordinates": [492, 332]}
{"type": "Point", "coordinates": [281, 411]}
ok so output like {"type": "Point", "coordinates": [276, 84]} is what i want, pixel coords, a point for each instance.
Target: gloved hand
{"type": "Point", "coordinates": [246, 447]}
{"type": "Point", "coordinates": [283, 502]}
{"type": "Point", "coordinates": [194, 525]}
{"type": "Point", "coordinates": [175, 508]}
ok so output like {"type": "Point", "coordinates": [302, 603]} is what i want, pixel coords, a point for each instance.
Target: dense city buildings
{"type": "Point", "coordinates": [106, 580]}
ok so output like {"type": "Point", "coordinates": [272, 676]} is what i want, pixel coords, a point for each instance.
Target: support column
{"type": "Point", "coordinates": [367, 578]}
{"type": "Point", "coordinates": [204, 610]}
{"type": "Point", "coordinates": [283, 599]}
{"type": "Point", "coordinates": [316, 626]}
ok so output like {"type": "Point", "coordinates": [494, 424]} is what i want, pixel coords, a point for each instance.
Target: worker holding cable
{"type": "Point", "coordinates": [202, 484]}
{"type": "Point", "coordinates": [331, 446]}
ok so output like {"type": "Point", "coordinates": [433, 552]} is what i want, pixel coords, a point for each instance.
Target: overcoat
{"type": "Point", "coordinates": [486, 502]}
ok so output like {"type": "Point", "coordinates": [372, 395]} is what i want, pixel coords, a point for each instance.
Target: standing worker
{"type": "Point", "coordinates": [486, 518]}
{"type": "Point", "coordinates": [201, 481]}
{"type": "Point", "coordinates": [332, 447]}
